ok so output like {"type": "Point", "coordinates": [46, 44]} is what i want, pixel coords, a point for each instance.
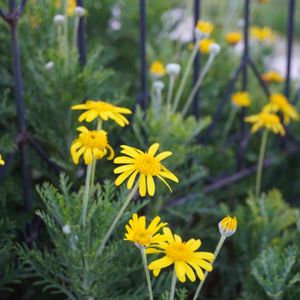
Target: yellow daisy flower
{"type": "Point", "coordinates": [2, 162]}
{"type": "Point", "coordinates": [261, 34]}
{"type": "Point", "coordinates": [91, 144]}
{"type": "Point", "coordinates": [228, 226]}
{"type": "Point", "coordinates": [187, 262]}
{"type": "Point", "coordinates": [141, 236]}
{"type": "Point", "coordinates": [144, 164]}
{"type": "Point", "coordinates": [272, 76]}
{"type": "Point", "coordinates": [241, 99]}
{"type": "Point", "coordinates": [204, 45]}
{"type": "Point", "coordinates": [157, 69]}
{"type": "Point", "coordinates": [204, 27]}
{"type": "Point", "coordinates": [279, 102]}
{"type": "Point", "coordinates": [266, 120]}
{"type": "Point", "coordinates": [232, 38]}
{"type": "Point", "coordinates": [103, 110]}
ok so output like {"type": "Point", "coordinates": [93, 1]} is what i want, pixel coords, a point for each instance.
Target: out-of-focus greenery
{"type": "Point", "coordinates": [261, 261]}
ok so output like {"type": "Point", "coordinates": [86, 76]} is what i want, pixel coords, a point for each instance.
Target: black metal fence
{"type": "Point", "coordinates": [25, 140]}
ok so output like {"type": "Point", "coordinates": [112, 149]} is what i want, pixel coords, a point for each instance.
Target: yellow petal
{"type": "Point", "coordinates": [161, 156]}
{"type": "Point", "coordinates": [153, 149]}
{"type": "Point", "coordinates": [142, 185]}
{"type": "Point", "coordinates": [190, 273]}
{"type": "Point", "coordinates": [123, 160]}
{"type": "Point", "coordinates": [180, 271]}
{"type": "Point", "coordinates": [131, 179]}
{"type": "Point", "coordinates": [150, 185]}
{"type": "Point", "coordinates": [122, 177]}
{"type": "Point", "coordinates": [123, 169]}
{"type": "Point", "coordinates": [160, 263]}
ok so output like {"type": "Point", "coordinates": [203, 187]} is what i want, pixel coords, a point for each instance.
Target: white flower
{"type": "Point", "coordinates": [66, 229]}
{"type": "Point", "coordinates": [79, 11]}
{"type": "Point", "coordinates": [214, 49]}
{"type": "Point", "coordinates": [158, 85]}
{"type": "Point", "coordinates": [49, 65]}
{"type": "Point", "coordinates": [173, 69]}
{"type": "Point", "coordinates": [59, 20]}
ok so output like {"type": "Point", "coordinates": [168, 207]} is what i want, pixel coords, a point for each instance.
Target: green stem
{"type": "Point", "coordinates": [145, 263]}
{"type": "Point", "coordinates": [229, 123]}
{"type": "Point", "coordinates": [76, 25]}
{"type": "Point", "coordinates": [99, 127]}
{"type": "Point", "coordinates": [86, 194]}
{"type": "Point", "coordinates": [218, 248]}
{"type": "Point", "coordinates": [170, 91]}
{"type": "Point", "coordinates": [261, 162]}
{"type": "Point", "coordinates": [118, 217]}
{"type": "Point", "coordinates": [173, 285]}
{"type": "Point", "coordinates": [185, 75]}
{"type": "Point", "coordinates": [198, 83]}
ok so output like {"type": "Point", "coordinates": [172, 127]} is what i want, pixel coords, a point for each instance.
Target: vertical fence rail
{"type": "Point", "coordinates": [13, 22]}
{"type": "Point", "coordinates": [143, 71]}
{"type": "Point", "coordinates": [196, 74]}
{"type": "Point", "coordinates": [290, 39]}
{"type": "Point", "coordinates": [81, 44]}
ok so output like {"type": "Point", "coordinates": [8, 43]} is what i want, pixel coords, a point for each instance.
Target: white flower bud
{"type": "Point", "coordinates": [79, 11]}
{"type": "Point", "coordinates": [59, 20]}
{"type": "Point", "coordinates": [214, 49]}
{"type": "Point", "coordinates": [66, 229]}
{"type": "Point", "coordinates": [173, 69]}
{"type": "Point", "coordinates": [49, 65]}
{"type": "Point", "coordinates": [158, 85]}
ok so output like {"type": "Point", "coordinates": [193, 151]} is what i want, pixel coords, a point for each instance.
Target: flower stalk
{"type": "Point", "coordinates": [198, 83]}
{"type": "Point", "coordinates": [147, 273]}
{"type": "Point", "coordinates": [229, 124]}
{"type": "Point", "coordinates": [218, 248]}
{"type": "Point", "coordinates": [173, 285]}
{"type": "Point", "coordinates": [170, 91]}
{"type": "Point", "coordinates": [261, 157]}
{"type": "Point", "coordinates": [116, 220]}
{"type": "Point", "coordinates": [86, 193]}
{"type": "Point", "coordinates": [185, 75]}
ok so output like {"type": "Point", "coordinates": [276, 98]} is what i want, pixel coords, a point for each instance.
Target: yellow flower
{"type": "Point", "coordinates": [279, 102]}
{"type": "Point", "coordinates": [2, 162]}
{"type": "Point", "coordinates": [187, 262]}
{"type": "Point", "coordinates": [91, 144]}
{"type": "Point", "coordinates": [204, 27]}
{"type": "Point", "coordinates": [71, 6]}
{"type": "Point", "coordinates": [241, 99]}
{"type": "Point", "coordinates": [103, 110]}
{"type": "Point", "coordinates": [204, 45]}
{"type": "Point", "coordinates": [266, 120]}
{"type": "Point", "coordinates": [144, 164]}
{"type": "Point", "coordinates": [142, 236]}
{"type": "Point", "coordinates": [233, 38]}
{"type": "Point", "coordinates": [272, 76]}
{"type": "Point", "coordinates": [227, 226]}
{"type": "Point", "coordinates": [261, 34]}
{"type": "Point", "coordinates": [157, 69]}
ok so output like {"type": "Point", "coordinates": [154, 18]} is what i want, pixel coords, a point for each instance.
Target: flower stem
{"type": "Point", "coordinates": [86, 194]}
{"type": "Point", "coordinates": [198, 83]}
{"type": "Point", "coordinates": [170, 91]}
{"type": "Point", "coordinates": [229, 123]}
{"type": "Point", "coordinates": [118, 217]}
{"type": "Point", "coordinates": [75, 33]}
{"type": "Point", "coordinates": [173, 285]}
{"type": "Point", "coordinates": [185, 75]}
{"type": "Point", "coordinates": [145, 263]}
{"type": "Point", "coordinates": [261, 162]}
{"type": "Point", "coordinates": [218, 248]}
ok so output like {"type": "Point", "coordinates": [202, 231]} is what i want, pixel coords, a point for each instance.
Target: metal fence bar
{"type": "Point", "coordinates": [143, 72]}
{"type": "Point", "coordinates": [196, 74]}
{"type": "Point", "coordinates": [290, 37]}
{"type": "Point", "coordinates": [81, 43]}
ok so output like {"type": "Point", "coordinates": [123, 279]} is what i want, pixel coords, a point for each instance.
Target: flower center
{"type": "Point", "coordinates": [100, 106]}
{"type": "Point", "coordinates": [147, 164]}
{"type": "Point", "coordinates": [270, 119]}
{"type": "Point", "coordinates": [179, 252]}
{"type": "Point", "coordinates": [94, 139]}
{"type": "Point", "coordinates": [142, 237]}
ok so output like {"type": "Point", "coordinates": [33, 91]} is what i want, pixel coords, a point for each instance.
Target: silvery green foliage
{"type": "Point", "coordinates": [277, 271]}
{"type": "Point", "coordinates": [9, 271]}
{"type": "Point", "coordinates": [69, 265]}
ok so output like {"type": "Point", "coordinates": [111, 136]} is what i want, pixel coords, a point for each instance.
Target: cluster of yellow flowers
{"type": "Point", "coordinates": [268, 118]}
{"type": "Point", "coordinates": [204, 30]}
{"type": "Point", "coordinates": [184, 256]}
{"type": "Point", "coordinates": [262, 34]}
